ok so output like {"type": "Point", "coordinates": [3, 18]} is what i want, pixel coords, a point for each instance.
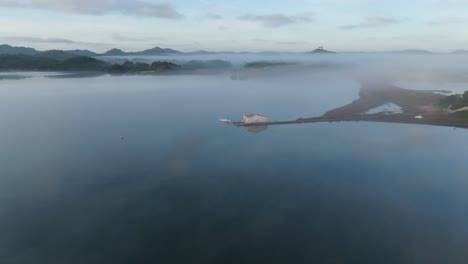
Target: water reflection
{"type": "Point", "coordinates": [256, 129]}
{"type": "Point", "coordinates": [182, 188]}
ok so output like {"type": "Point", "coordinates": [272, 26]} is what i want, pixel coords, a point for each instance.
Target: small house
{"type": "Point", "coordinates": [254, 118]}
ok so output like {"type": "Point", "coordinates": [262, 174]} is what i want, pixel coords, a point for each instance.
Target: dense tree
{"type": "Point", "coordinates": [139, 67]}
{"type": "Point", "coordinates": [61, 61]}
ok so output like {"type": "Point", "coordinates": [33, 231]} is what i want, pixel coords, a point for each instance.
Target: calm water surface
{"type": "Point", "coordinates": [137, 169]}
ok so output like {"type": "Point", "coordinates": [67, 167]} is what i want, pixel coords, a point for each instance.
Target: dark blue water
{"type": "Point", "coordinates": [138, 170]}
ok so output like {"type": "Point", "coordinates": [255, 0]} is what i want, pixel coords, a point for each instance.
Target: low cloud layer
{"type": "Point", "coordinates": [277, 20]}
{"type": "Point", "coordinates": [91, 7]}
{"type": "Point", "coordinates": [131, 38]}
{"type": "Point", "coordinates": [372, 21]}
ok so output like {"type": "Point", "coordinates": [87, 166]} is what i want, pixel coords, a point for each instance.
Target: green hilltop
{"type": "Point", "coordinates": [10, 50]}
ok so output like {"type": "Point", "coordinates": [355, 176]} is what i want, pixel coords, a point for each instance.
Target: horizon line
{"type": "Point", "coordinates": [409, 50]}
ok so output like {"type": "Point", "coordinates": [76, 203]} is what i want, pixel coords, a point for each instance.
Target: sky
{"type": "Point", "coordinates": [236, 25]}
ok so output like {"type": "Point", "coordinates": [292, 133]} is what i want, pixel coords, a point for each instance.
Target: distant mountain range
{"type": "Point", "coordinates": [148, 52]}
{"type": "Point", "coordinates": [82, 52]}
{"type": "Point", "coordinates": [11, 50]}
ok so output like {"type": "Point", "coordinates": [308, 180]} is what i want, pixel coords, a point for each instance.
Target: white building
{"type": "Point", "coordinates": [254, 118]}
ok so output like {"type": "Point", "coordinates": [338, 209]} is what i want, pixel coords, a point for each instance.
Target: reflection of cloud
{"type": "Point", "coordinates": [92, 7]}
{"type": "Point", "coordinates": [256, 129]}
{"type": "Point", "coordinates": [413, 138]}
{"type": "Point", "coordinates": [180, 158]}
{"type": "Point", "coordinates": [277, 20]}
{"type": "Point", "coordinates": [372, 21]}
{"type": "Point", "coordinates": [406, 140]}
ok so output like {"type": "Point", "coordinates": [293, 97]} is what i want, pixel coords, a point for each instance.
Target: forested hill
{"type": "Point", "coordinates": [10, 50]}
{"type": "Point", "coordinates": [57, 60]}
{"type": "Point", "coordinates": [49, 63]}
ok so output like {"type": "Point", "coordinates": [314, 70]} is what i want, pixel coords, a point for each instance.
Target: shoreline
{"type": "Point", "coordinates": [419, 108]}
{"type": "Point", "coordinates": [380, 118]}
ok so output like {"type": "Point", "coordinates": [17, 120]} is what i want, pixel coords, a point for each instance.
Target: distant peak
{"type": "Point", "coordinates": [115, 49]}
{"type": "Point", "coordinates": [321, 49]}
{"type": "Point", "coordinates": [115, 52]}
{"type": "Point", "coordinates": [11, 50]}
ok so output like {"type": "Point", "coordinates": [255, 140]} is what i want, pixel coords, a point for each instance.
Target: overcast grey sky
{"type": "Point", "coordinates": [249, 25]}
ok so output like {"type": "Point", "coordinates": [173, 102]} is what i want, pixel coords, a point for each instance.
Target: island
{"type": "Point", "coordinates": [416, 107]}
{"type": "Point", "coordinates": [321, 50]}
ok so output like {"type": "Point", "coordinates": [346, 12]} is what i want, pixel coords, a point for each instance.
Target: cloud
{"type": "Point", "coordinates": [452, 20]}
{"type": "Point", "coordinates": [280, 42]}
{"type": "Point", "coordinates": [8, 3]}
{"type": "Point", "coordinates": [372, 21]}
{"type": "Point", "coordinates": [213, 16]}
{"type": "Point", "coordinates": [49, 40]}
{"type": "Point", "coordinates": [453, 2]}
{"type": "Point", "coordinates": [129, 38]}
{"type": "Point", "coordinates": [260, 40]}
{"type": "Point", "coordinates": [91, 7]}
{"type": "Point", "coordinates": [291, 42]}
{"type": "Point", "coordinates": [277, 20]}
{"type": "Point", "coordinates": [413, 38]}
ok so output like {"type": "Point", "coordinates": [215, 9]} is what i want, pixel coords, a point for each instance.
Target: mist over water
{"type": "Point", "coordinates": [137, 169]}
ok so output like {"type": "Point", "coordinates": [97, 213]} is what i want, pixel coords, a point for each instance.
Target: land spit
{"type": "Point", "coordinates": [419, 107]}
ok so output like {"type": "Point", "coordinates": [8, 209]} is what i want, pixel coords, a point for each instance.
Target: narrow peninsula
{"type": "Point", "coordinates": [417, 107]}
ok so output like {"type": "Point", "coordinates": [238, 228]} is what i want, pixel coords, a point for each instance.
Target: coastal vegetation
{"type": "Point", "coordinates": [456, 101]}
{"type": "Point", "coordinates": [57, 54]}
{"type": "Point", "coordinates": [62, 61]}
{"type": "Point", "coordinates": [57, 60]}
{"type": "Point", "coordinates": [47, 63]}
{"type": "Point", "coordinates": [139, 67]}
{"type": "Point", "coordinates": [461, 114]}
